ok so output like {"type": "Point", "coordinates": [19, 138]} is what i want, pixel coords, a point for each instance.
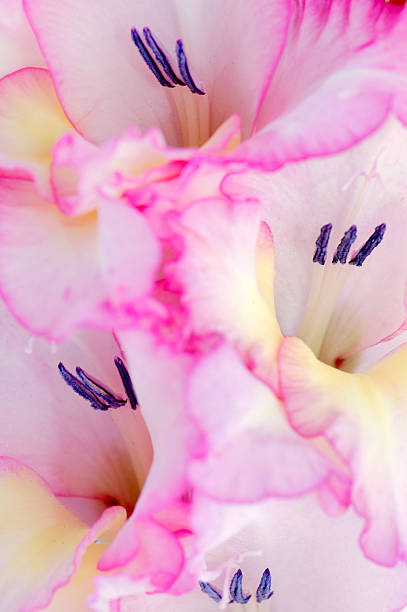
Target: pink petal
{"type": "Point", "coordinates": [158, 560]}
{"type": "Point", "coordinates": [18, 47]}
{"type": "Point", "coordinates": [81, 172]}
{"type": "Point", "coordinates": [338, 62]}
{"type": "Point", "coordinates": [42, 543]}
{"type": "Point", "coordinates": [31, 121]}
{"type": "Point", "coordinates": [251, 452]}
{"type": "Point", "coordinates": [218, 272]}
{"type": "Point", "coordinates": [80, 264]}
{"type": "Point", "coordinates": [358, 111]}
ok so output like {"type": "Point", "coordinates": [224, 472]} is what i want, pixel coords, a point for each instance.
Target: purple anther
{"type": "Point", "coordinates": [126, 380]}
{"type": "Point", "coordinates": [370, 244]}
{"type": "Point", "coordinates": [184, 70]}
{"type": "Point", "coordinates": [145, 54]}
{"type": "Point", "coordinates": [97, 389]}
{"type": "Point", "coordinates": [236, 589]}
{"type": "Point", "coordinates": [90, 389]}
{"type": "Point", "coordinates": [81, 389]}
{"type": "Point", "coordinates": [321, 244]}
{"type": "Point", "coordinates": [264, 589]}
{"type": "Point", "coordinates": [343, 249]}
{"type": "Point", "coordinates": [210, 591]}
{"type": "Point", "coordinates": [161, 57]}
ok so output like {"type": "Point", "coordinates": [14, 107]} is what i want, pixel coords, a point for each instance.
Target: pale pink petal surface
{"type": "Point", "coordinates": [251, 451]}
{"type": "Point", "coordinates": [80, 260]}
{"type": "Point", "coordinates": [18, 47]}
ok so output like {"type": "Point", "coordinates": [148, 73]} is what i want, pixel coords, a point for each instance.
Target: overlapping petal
{"type": "Point", "coordinates": [251, 451]}
{"type": "Point", "coordinates": [219, 270]}
{"type": "Point", "coordinates": [81, 261]}
{"type": "Point", "coordinates": [339, 62]}
{"type": "Point", "coordinates": [363, 417]}
{"type": "Point", "coordinates": [31, 121]}
{"type": "Point", "coordinates": [42, 542]}
{"type": "Point", "coordinates": [297, 542]}
{"type": "Point", "coordinates": [149, 548]}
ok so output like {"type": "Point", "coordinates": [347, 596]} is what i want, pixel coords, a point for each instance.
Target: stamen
{"type": "Point", "coordinates": [126, 380]}
{"type": "Point", "coordinates": [370, 244]}
{"type": "Point", "coordinates": [236, 589]}
{"type": "Point", "coordinates": [145, 54]}
{"type": "Point", "coordinates": [99, 397]}
{"type": "Point", "coordinates": [343, 249]}
{"type": "Point", "coordinates": [161, 57]}
{"type": "Point", "coordinates": [210, 591]}
{"type": "Point", "coordinates": [321, 244]}
{"type": "Point", "coordinates": [81, 389]}
{"type": "Point", "coordinates": [264, 589]}
{"type": "Point", "coordinates": [184, 70]}
{"type": "Point", "coordinates": [97, 389]}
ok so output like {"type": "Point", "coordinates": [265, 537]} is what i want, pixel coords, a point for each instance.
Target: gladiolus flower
{"type": "Point", "coordinates": [69, 473]}
{"type": "Point", "coordinates": [273, 63]}
{"type": "Point", "coordinates": [156, 182]}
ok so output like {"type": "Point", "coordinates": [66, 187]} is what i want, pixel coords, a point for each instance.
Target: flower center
{"type": "Point", "coordinates": [193, 111]}
{"type": "Point", "coordinates": [328, 283]}
{"type": "Point", "coordinates": [263, 592]}
{"type": "Point", "coordinates": [134, 465]}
